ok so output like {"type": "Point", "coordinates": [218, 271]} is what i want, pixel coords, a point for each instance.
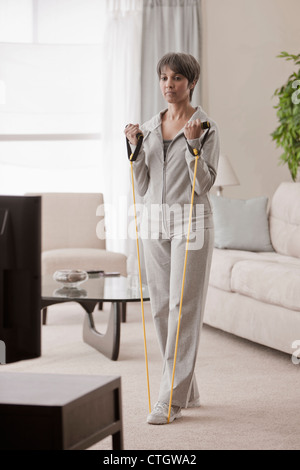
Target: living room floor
{"type": "Point", "coordinates": [249, 393]}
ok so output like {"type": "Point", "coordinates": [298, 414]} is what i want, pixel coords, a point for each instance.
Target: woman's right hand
{"type": "Point", "coordinates": [131, 131]}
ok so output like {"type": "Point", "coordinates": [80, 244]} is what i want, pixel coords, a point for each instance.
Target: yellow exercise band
{"type": "Point", "coordinates": [141, 287]}
{"type": "Point", "coordinates": [183, 280]}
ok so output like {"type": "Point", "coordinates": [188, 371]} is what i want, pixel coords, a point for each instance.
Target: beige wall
{"type": "Point", "coordinates": [241, 39]}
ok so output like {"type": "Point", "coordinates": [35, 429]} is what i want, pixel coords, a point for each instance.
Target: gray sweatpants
{"type": "Point", "coordinates": [164, 262]}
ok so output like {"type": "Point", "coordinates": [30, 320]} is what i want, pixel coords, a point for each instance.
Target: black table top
{"type": "Point", "coordinates": [104, 289]}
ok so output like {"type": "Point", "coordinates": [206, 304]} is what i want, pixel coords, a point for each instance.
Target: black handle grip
{"type": "Point", "coordinates": [133, 156]}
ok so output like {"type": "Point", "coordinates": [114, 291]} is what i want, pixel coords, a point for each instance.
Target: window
{"type": "Point", "coordinates": [51, 56]}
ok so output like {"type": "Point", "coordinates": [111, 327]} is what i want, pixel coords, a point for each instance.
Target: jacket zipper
{"type": "Point", "coordinates": [164, 222]}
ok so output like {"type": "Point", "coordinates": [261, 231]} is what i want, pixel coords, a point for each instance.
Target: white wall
{"type": "Point", "coordinates": [241, 39]}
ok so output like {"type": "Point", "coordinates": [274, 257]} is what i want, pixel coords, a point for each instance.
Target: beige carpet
{"type": "Point", "coordinates": [250, 394]}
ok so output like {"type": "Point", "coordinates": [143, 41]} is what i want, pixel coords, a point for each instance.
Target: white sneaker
{"type": "Point", "coordinates": [160, 413]}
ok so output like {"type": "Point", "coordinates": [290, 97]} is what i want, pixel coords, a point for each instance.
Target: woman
{"type": "Point", "coordinates": [163, 172]}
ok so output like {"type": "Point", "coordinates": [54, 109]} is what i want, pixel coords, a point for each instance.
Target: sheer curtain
{"type": "Point", "coordinates": [168, 26]}
{"type": "Point", "coordinates": [122, 104]}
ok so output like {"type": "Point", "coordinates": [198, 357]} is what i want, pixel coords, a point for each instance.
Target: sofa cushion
{"type": "Point", "coordinates": [268, 281]}
{"type": "Point", "coordinates": [223, 262]}
{"type": "Point", "coordinates": [83, 258]}
{"type": "Point", "coordinates": [285, 219]}
{"type": "Point", "coordinates": [241, 224]}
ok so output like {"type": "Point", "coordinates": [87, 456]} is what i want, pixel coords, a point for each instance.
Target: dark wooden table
{"type": "Point", "coordinates": [59, 412]}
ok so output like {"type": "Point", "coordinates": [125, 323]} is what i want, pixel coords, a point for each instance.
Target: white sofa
{"type": "Point", "coordinates": [256, 295]}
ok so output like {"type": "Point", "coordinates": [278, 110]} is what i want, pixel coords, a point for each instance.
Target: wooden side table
{"type": "Point", "coordinates": [58, 411]}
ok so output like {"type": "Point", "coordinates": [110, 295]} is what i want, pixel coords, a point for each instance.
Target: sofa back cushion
{"type": "Point", "coordinates": [72, 220]}
{"type": "Point", "coordinates": [241, 224]}
{"type": "Point", "coordinates": [285, 219]}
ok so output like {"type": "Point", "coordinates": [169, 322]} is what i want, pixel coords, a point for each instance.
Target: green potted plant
{"type": "Point", "coordinates": [287, 134]}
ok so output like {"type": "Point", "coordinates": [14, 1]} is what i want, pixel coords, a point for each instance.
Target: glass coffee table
{"type": "Point", "coordinates": [97, 290]}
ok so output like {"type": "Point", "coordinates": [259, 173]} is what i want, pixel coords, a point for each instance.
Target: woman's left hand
{"type": "Point", "coordinates": [193, 129]}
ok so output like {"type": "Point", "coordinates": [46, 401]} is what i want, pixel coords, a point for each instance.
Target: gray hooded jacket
{"type": "Point", "coordinates": [167, 182]}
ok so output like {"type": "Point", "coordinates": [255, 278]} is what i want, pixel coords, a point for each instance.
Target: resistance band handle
{"type": "Point", "coordinates": [194, 151]}
{"type": "Point", "coordinates": [205, 125]}
{"type": "Point", "coordinates": [133, 156]}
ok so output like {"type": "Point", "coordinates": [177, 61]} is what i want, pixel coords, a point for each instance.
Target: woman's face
{"type": "Point", "coordinates": [175, 87]}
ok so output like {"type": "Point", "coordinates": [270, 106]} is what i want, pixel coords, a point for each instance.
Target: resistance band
{"type": "Point", "coordinates": [132, 157]}
{"type": "Point", "coordinates": [196, 153]}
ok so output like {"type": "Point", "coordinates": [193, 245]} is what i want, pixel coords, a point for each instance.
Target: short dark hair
{"type": "Point", "coordinates": [185, 64]}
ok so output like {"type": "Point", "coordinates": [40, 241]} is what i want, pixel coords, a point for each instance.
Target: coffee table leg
{"type": "Point", "coordinates": [109, 342]}
{"type": "Point", "coordinates": [124, 304]}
